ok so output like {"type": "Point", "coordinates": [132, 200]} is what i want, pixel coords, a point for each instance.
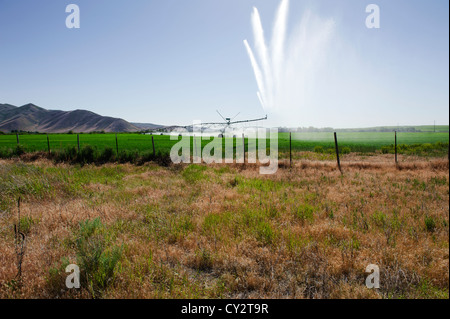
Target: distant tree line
{"type": "Point", "coordinates": [22, 132]}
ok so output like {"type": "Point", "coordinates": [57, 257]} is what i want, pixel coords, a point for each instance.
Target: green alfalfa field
{"type": "Point", "coordinates": [417, 143]}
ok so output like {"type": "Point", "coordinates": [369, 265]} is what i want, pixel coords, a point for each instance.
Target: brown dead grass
{"type": "Point", "coordinates": [256, 246]}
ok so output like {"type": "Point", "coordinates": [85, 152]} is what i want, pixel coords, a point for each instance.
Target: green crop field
{"type": "Point", "coordinates": [359, 141]}
{"type": "Point", "coordinates": [133, 142]}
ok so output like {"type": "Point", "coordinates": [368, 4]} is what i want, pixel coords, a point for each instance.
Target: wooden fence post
{"type": "Point", "coordinates": [153, 144]}
{"type": "Point", "coordinates": [195, 148]}
{"type": "Point", "coordinates": [243, 144]}
{"type": "Point", "coordinates": [337, 152]}
{"type": "Point", "coordinates": [117, 148]}
{"type": "Point", "coordinates": [290, 149]}
{"type": "Point", "coordinates": [48, 144]}
{"type": "Point", "coordinates": [17, 136]}
{"type": "Point", "coordinates": [396, 158]}
{"type": "Point", "coordinates": [78, 142]}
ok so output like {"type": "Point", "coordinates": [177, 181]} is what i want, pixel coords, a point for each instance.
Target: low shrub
{"type": "Point", "coordinates": [304, 212]}
{"type": "Point", "coordinates": [128, 156]}
{"type": "Point", "coordinates": [107, 156]}
{"type": "Point", "coordinates": [265, 234]}
{"type": "Point", "coordinates": [18, 150]}
{"type": "Point", "coordinates": [96, 257]}
{"type": "Point", "coordinates": [430, 224]}
{"type": "Point", "coordinates": [87, 155]}
{"type": "Point", "coordinates": [318, 149]}
{"type": "Point", "coordinates": [346, 150]}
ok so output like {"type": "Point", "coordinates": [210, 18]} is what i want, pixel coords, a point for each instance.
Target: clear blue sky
{"type": "Point", "coordinates": [175, 61]}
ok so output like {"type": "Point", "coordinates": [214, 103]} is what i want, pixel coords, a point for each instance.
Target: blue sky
{"type": "Point", "coordinates": [175, 61]}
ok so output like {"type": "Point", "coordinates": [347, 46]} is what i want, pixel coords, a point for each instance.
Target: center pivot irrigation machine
{"type": "Point", "coordinates": [228, 121]}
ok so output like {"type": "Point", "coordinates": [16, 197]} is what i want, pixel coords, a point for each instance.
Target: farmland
{"type": "Point", "coordinates": [160, 230]}
{"type": "Point", "coordinates": [355, 141]}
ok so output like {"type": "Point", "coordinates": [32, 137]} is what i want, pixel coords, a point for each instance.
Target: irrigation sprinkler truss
{"type": "Point", "coordinates": [228, 121]}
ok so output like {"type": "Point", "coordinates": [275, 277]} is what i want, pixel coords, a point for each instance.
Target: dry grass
{"type": "Point", "coordinates": [228, 232]}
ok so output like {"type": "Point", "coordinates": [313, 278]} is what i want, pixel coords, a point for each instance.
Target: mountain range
{"type": "Point", "coordinates": [32, 118]}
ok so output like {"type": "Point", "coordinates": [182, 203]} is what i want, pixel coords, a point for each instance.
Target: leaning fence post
{"type": "Point", "coordinates": [78, 142]}
{"type": "Point", "coordinates": [17, 136]}
{"type": "Point", "coordinates": [337, 151]}
{"type": "Point", "coordinates": [48, 144]}
{"type": "Point", "coordinates": [153, 143]}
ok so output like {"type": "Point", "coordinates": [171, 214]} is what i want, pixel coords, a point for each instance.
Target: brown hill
{"type": "Point", "coordinates": [33, 118]}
